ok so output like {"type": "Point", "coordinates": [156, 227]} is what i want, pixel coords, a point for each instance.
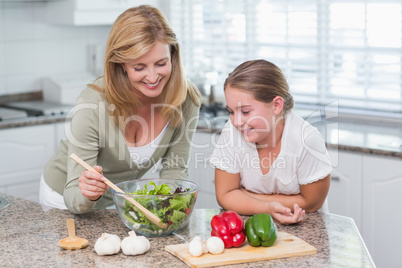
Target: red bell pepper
{"type": "Point", "coordinates": [229, 226]}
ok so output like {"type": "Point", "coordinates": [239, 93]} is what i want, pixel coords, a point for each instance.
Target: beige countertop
{"type": "Point", "coordinates": [29, 236]}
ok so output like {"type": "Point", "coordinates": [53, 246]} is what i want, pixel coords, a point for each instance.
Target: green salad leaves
{"type": "Point", "coordinates": [171, 210]}
{"type": "Point", "coordinates": [162, 189]}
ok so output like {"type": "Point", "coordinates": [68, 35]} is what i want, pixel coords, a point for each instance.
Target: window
{"type": "Point", "coordinates": [345, 51]}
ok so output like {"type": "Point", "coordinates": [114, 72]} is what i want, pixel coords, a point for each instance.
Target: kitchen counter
{"type": "Point", "coordinates": [33, 121]}
{"type": "Point", "coordinates": [29, 236]}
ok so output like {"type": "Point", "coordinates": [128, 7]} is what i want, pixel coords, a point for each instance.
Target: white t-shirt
{"type": "Point", "coordinates": [142, 154]}
{"type": "Point", "coordinates": [303, 158]}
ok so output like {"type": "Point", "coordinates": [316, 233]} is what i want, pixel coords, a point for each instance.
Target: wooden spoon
{"type": "Point", "coordinates": [72, 241]}
{"type": "Point", "coordinates": [152, 217]}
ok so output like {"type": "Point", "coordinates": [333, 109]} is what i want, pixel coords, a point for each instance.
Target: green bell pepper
{"type": "Point", "coordinates": [261, 230]}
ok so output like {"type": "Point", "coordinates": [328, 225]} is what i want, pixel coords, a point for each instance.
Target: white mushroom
{"type": "Point", "coordinates": [135, 245]}
{"type": "Point", "coordinates": [107, 244]}
{"type": "Point", "coordinates": [215, 245]}
{"type": "Point", "coordinates": [196, 247]}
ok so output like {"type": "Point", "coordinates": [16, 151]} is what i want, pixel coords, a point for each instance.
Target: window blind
{"type": "Point", "coordinates": [344, 51]}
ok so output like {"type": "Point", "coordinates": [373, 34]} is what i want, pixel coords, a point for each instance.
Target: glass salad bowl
{"type": "Point", "coordinates": [171, 200]}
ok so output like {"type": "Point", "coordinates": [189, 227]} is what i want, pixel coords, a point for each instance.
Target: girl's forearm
{"type": "Point", "coordinates": [286, 200]}
{"type": "Point", "coordinates": [311, 198]}
{"type": "Point", "coordinates": [242, 203]}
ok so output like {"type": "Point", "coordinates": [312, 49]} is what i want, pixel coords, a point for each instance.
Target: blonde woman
{"type": "Point", "coordinates": [140, 111]}
{"type": "Point", "coordinates": [268, 159]}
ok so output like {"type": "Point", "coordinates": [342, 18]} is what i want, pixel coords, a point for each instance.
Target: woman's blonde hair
{"type": "Point", "coordinates": [132, 35]}
{"type": "Point", "coordinates": [263, 79]}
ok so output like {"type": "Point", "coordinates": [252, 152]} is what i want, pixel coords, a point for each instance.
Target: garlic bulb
{"type": "Point", "coordinates": [196, 247]}
{"type": "Point", "coordinates": [135, 245]}
{"type": "Point", "coordinates": [215, 245]}
{"type": "Point", "coordinates": [107, 244]}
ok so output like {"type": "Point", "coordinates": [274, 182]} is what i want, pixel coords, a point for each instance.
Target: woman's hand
{"type": "Point", "coordinates": [92, 184]}
{"type": "Point", "coordinates": [284, 215]}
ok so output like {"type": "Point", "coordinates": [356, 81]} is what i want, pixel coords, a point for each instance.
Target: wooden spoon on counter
{"type": "Point", "coordinates": [72, 241]}
{"type": "Point", "coordinates": [152, 217]}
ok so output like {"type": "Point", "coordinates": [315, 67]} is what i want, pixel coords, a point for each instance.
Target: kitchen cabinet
{"type": "Point", "coordinates": [24, 153]}
{"type": "Point", "coordinates": [345, 193]}
{"type": "Point", "coordinates": [381, 228]}
{"type": "Point", "coordinates": [201, 171]}
{"type": "Point", "coordinates": [367, 188]}
{"type": "Point", "coordinates": [89, 12]}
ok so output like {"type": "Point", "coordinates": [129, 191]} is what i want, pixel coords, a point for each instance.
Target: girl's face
{"type": "Point", "coordinates": [149, 73]}
{"type": "Point", "coordinates": [253, 118]}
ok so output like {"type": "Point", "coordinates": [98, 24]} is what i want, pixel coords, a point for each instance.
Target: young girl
{"type": "Point", "coordinates": [268, 160]}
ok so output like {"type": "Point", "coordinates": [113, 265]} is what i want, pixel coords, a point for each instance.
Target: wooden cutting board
{"type": "Point", "coordinates": [286, 245]}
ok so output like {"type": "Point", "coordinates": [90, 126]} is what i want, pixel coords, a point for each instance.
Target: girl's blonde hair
{"type": "Point", "coordinates": [132, 35]}
{"type": "Point", "coordinates": [263, 79]}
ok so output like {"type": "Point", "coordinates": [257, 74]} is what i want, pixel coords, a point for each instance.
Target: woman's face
{"type": "Point", "coordinates": [149, 73]}
{"type": "Point", "coordinates": [253, 118]}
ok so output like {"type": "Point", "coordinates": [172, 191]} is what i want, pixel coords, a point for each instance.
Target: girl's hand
{"type": "Point", "coordinates": [92, 184]}
{"type": "Point", "coordinates": [284, 215]}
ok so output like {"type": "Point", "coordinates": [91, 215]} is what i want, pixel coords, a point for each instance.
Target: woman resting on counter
{"type": "Point", "coordinates": [268, 160]}
{"type": "Point", "coordinates": [140, 111]}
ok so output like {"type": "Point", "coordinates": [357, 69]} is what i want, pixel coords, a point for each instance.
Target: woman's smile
{"type": "Point", "coordinates": [152, 86]}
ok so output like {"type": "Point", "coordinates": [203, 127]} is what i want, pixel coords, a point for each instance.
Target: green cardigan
{"type": "Point", "coordinates": [98, 141]}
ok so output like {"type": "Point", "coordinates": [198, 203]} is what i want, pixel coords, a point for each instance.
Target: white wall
{"type": "Point", "coordinates": [31, 48]}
